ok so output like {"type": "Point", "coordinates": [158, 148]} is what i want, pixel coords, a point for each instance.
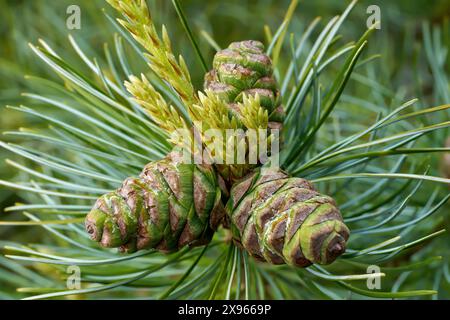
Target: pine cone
{"type": "Point", "coordinates": [280, 219]}
{"type": "Point", "coordinates": [169, 206]}
{"type": "Point", "coordinates": [244, 68]}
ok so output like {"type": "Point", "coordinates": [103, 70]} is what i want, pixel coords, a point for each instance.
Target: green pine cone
{"type": "Point", "coordinates": [244, 68]}
{"type": "Point", "coordinates": [169, 206]}
{"type": "Point", "coordinates": [281, 219]}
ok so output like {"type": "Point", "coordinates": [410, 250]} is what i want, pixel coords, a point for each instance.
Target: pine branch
{"type": "Point", "coordinates": [98, 135]}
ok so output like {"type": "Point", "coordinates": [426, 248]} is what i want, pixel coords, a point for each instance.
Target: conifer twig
{"type": "Point", "coordinates": [139, 23]}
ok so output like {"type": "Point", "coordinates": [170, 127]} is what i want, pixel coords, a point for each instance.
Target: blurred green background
{"type": "Point", "coordinates": [403, 67]}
